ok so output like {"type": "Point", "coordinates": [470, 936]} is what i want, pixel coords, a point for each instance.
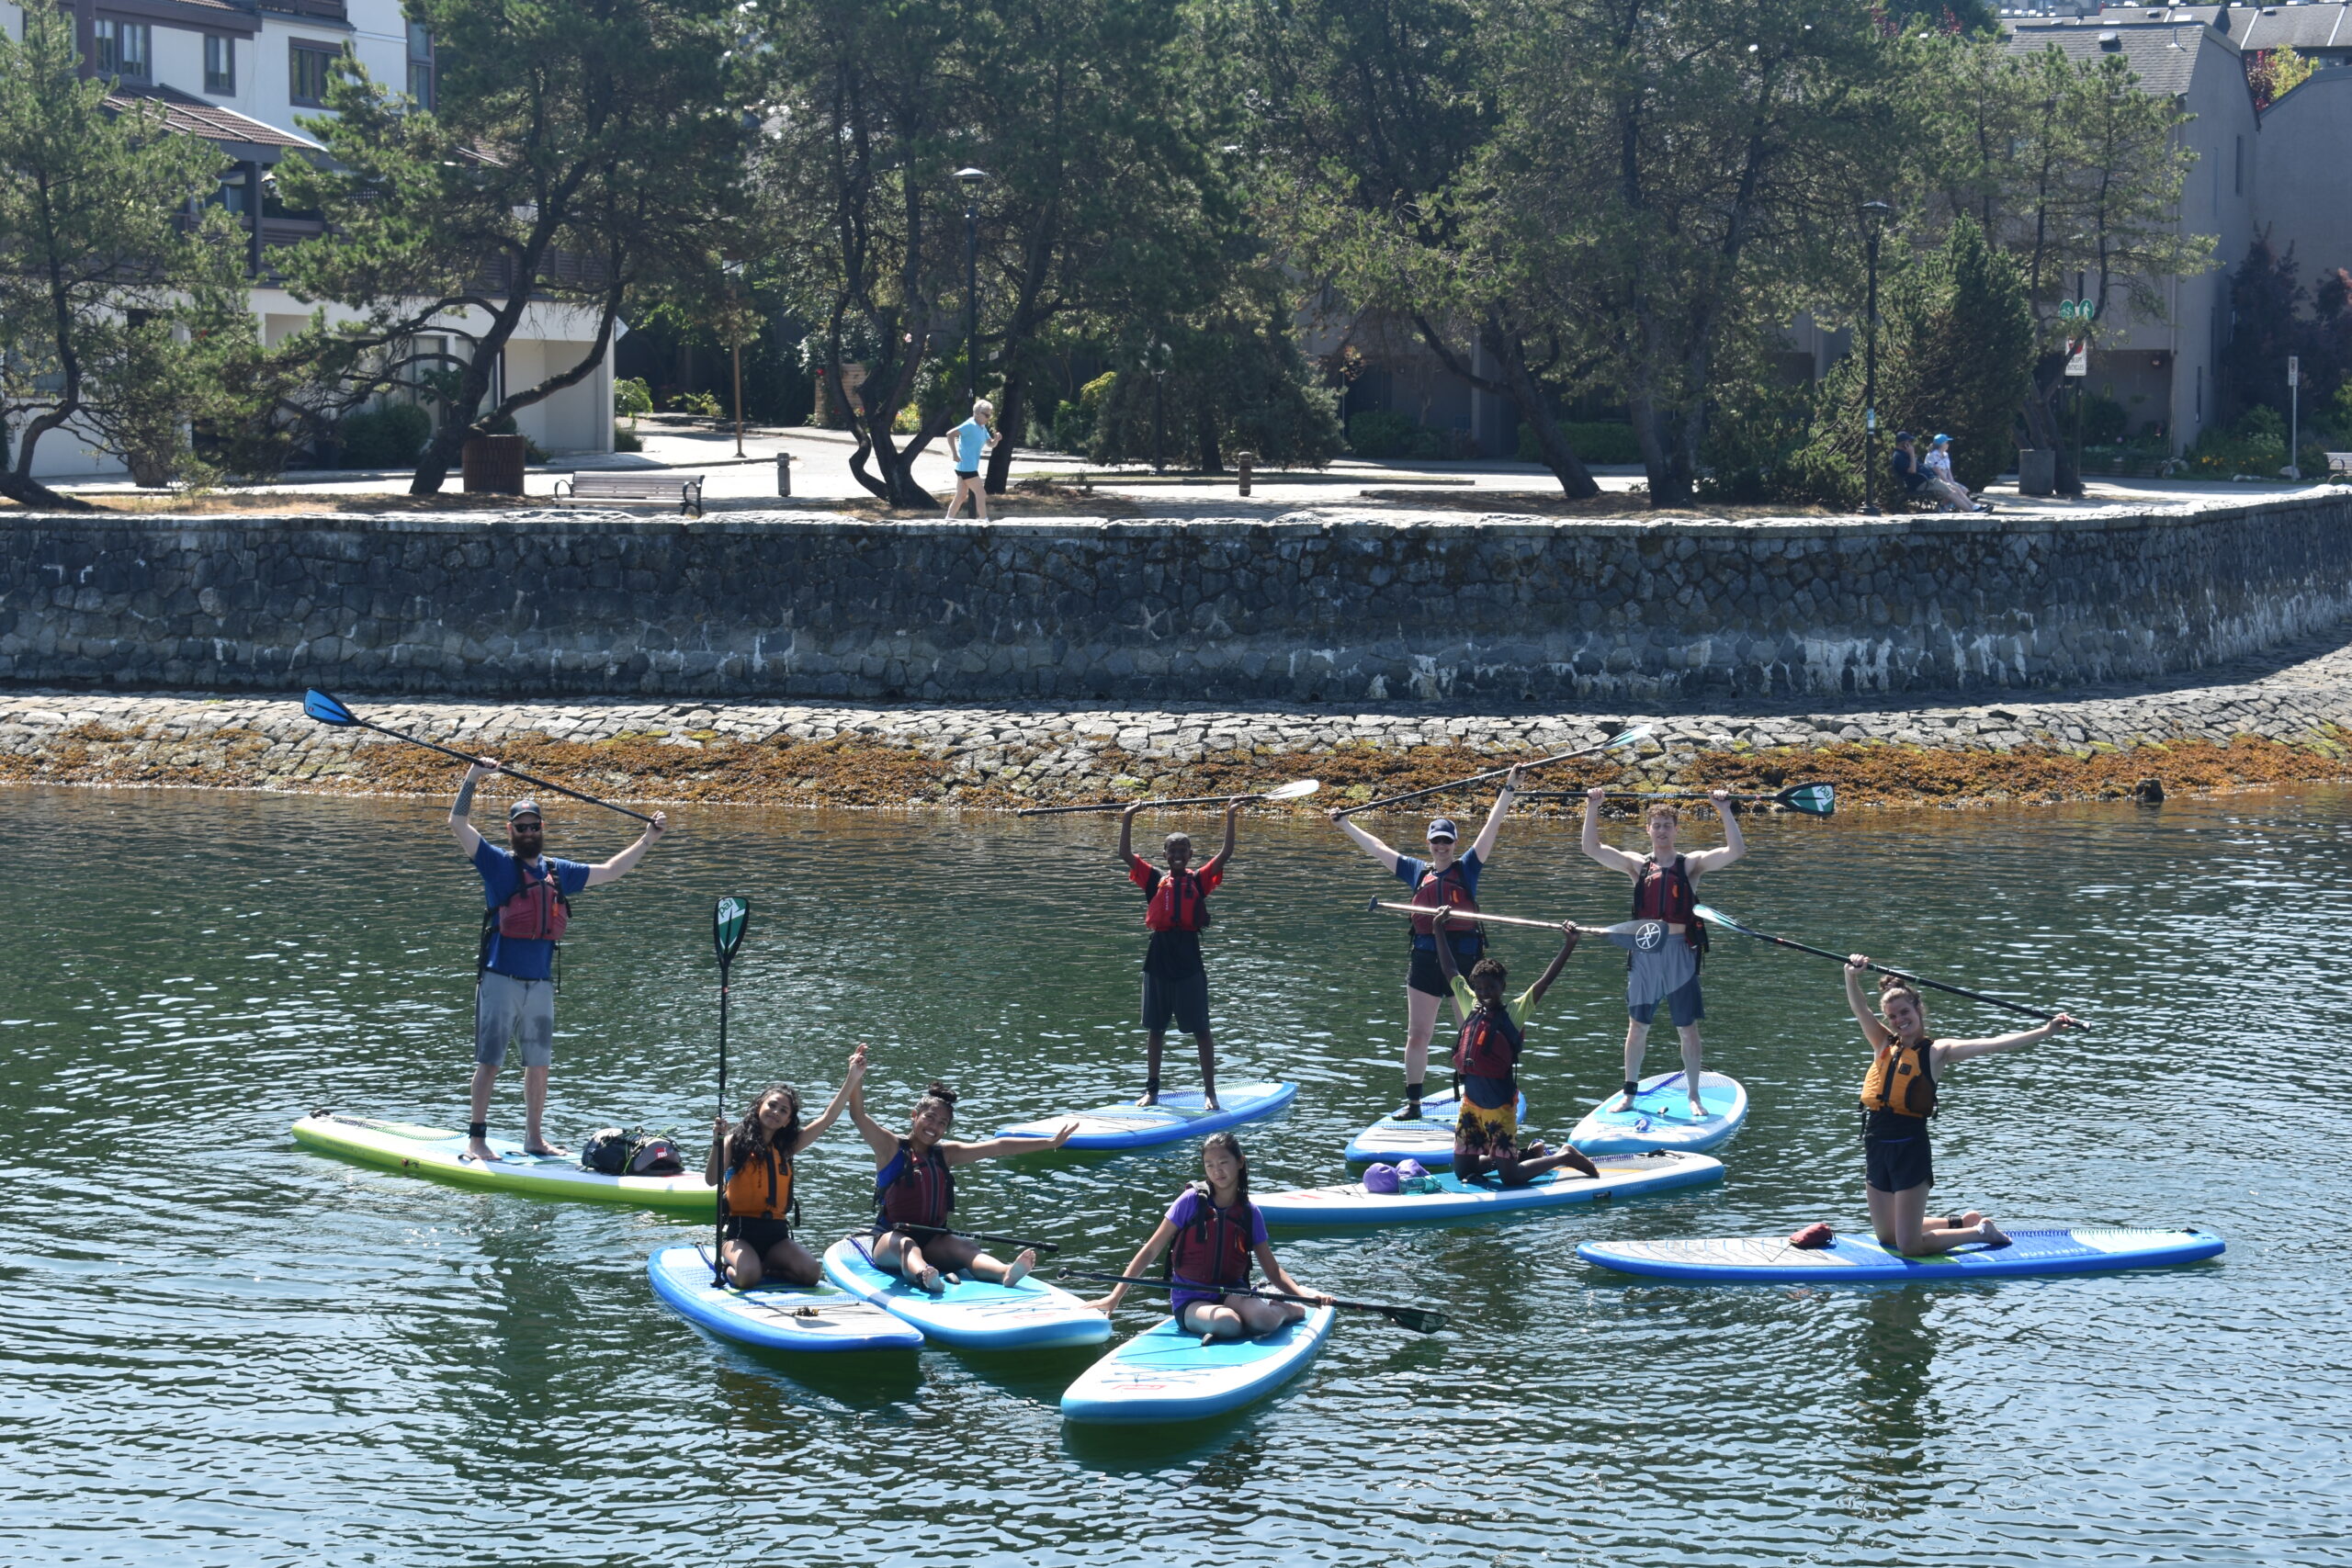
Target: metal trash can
{"type": "Point", "coordinates": [2037, 470]}
{"type": "Point", "coordinates": [783, 473]}
{"type": "Point", "coordinates": [493, 464]}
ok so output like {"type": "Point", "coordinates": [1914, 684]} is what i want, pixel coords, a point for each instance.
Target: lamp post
{"type": "Point", "coordinates": [1156, 361]}
{"type": "Point", "coordinates": [970, 178]}
{"type": "Point", "coordinates": [734, 271]}
{"type": "Point", "coordinates": [1875, 217]}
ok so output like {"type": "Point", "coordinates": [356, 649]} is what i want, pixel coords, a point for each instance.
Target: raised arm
{"type": "Point", "coordinates": [461, 826]}
{"type": "Point", "coordinates": [1559, 962]}
{"type": "Point", "coordinates": [1128, 834]}
{"type": "Point", "coordinates": [1484, 845]}
{"type": "Point", "coordinates": [854, 1073]}
{"type": "Point", "coordinates": [612, 870]}
{"type": "Point", "coordinates": [1156, 1243]}
{"type": "Point", "coordinates": [1364, 840]}
{"type": "Point", "coordinates": [1232, 815]}
{"type": "Point", "coordinates": [1950, 1050]}
{"type": "Point", "coordinates": [1857, 965]}
{"type": "Point", "coordinates": [881, 1139]}
{"type": "Point", "coordinates": [996, 1148]}
{"type": "Point", "coordinates": [1732, 848]}
{"type": "Point", "coordinates": [1614, 859]}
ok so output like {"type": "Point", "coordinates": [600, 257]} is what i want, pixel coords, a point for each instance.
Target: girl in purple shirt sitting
{"type": "Point", "coordinates": [1216, 1231]}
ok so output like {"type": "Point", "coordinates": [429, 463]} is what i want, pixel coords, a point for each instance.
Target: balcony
{"type": "Point", "coordinates": [316, 10]}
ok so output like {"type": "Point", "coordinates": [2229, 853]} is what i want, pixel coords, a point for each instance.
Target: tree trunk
{"type": "Point", "coordinates": [1518, 383]}
{"type": "Point", "coordinates": [1011, 425]}
{"type": "Point", "coordinates": [2042, 428]}
{"type": "Point", "coordinates": [1212, 456]}
{"type": "Point", "coordinates": [26, 491]}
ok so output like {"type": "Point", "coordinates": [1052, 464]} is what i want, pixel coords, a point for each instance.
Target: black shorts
{"type": "Point", "coordinates": [1185, 1001]}
{"type": "Point", "coordinates": [757, 1233]}
{"type": "Point", "coordinates": [968, 473]}
{"type": "Point", "coordinates": [1898, 1163]}
{"type": "Point", "coordinates": [1429, 977]}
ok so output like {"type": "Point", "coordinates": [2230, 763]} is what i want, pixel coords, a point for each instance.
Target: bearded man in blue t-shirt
{"type": "Point", "coordinates": [527, 899]}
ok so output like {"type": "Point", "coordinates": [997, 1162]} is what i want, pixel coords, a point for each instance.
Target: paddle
{"type": "Point", "coordinates": [1716, 917]}
{"type": "Point", "coordinates": [983, 1235]}
{"type": "Point", "coordinates": [1460, 917]}
{"type": "Point", "coordinates": [1617, 741]}
{"type": "Point", "coordinates": [1421, 1320]}
{"type": "Point", "coordinates": [1811, 799]}
{"type": "Point", "coordinates": [1294, 790]}
{"type": "Point", "coordinates": [728, 918]}
{"type": "Point", "coordinates": [327, 710]}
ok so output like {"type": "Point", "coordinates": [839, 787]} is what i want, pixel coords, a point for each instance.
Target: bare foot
{"type": "Point", "coordinates": [545, 1151]}
{"type": "Point", "coordinates": [478, 1150]}
{"type": "Point", "coordinates": [1697, 1111]}
{"type": "Point", "coordinates": [1018, 1270]}
{"type": "Point", "coordinates": [1150, 1097]}
{"type": "Point", "coordinates": [929, 1282]}
{"type": "Point", "coordinates": [1991, 1235]}
{"type": "Point", "coordinates": [1209, 1103]}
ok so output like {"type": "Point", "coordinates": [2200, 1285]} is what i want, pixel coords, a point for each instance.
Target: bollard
{"type": "Point", "coordinates": [783, 473]}
{"type": "Point", "coordinates": [1246, 462]}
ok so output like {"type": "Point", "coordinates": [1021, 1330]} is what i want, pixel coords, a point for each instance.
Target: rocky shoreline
{"type": "Point", "coordinates": [2284, 721]}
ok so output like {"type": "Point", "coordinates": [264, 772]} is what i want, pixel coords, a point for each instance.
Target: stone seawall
{"type": "Point", "coordinates": [1318, 610]}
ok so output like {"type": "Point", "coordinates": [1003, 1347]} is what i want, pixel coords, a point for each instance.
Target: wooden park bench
{"type": "Point", "coordinates": [636, 486]}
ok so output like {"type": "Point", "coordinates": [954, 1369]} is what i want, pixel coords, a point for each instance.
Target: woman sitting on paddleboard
{"type": "Point", "coordinates": [1216, 1231]}
{"type": "Point", "coordinates": [1444, 879]}
{"type": "Point", "coordinates": [914, 1192]}
{"type": "Point", "coordinates": [1899, 1095]}
{"type": "Point", "coordinates": [751, 1163]}
{"type": "Point", "coordinates": [1485, 1064]}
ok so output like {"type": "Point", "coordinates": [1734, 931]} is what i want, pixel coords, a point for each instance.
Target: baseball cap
{"type": "Point", "coordinates": [524, 809]}
{"type": "Point", "coordinates": [1940, 441]}
{"type": "Point", "coordinates": [1442, 828]}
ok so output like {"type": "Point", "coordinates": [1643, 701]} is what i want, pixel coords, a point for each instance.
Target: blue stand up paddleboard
{"type": "Point", "coordinates": [1858, 1260]}
{"type": "Point", "coordinates": [972, 1314]}
{"type": "Point", "coordinates": [1660, 1117]}
{"type": "Point", "coordinates": [1177, 1116]}
{"type": "Point", "coordinates": [1428, 1138]}
{"type": "Point", "coordinates": [1169, 1375]}
{"type": "Point", "coordinates": [1621, 1175]}
{"type": "Point", "coordinates": [779, 1317]}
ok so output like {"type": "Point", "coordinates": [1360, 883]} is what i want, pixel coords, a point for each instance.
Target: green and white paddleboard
{"type": "Point", "coordinates": [433, 1152]}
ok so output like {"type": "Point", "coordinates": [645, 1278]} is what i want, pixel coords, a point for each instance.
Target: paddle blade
{"type": "Point", "coordinates": [1624, 737]}
{"type": "Point", "coordinates": [1814, 799]}
{"type": "Point", "coordinates": [326, 710]}
{"type": "Point", "coordinates": [1296, 789]}
{"type": "Point", "coordinates": [1714, 916]}
{"type": "Point", "coordinates": [1421, 1320]}
{"type": "Point", "coordinates": [728, 918]}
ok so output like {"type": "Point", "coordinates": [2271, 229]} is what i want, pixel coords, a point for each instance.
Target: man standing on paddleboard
{"type": "Point", "coordinates": [527, 901]}
{"type": "Point", "coordinates": [1176, 910]}
{"type": "Point", "coordinates": [1665, 940]}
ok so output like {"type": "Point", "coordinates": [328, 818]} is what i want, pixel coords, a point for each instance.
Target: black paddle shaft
{"type": "Point", "coordinates": [1421, 1320]}
{"type": "Point", "coordinates": [467, 757]}
{"type": "Point", "coordinates": [1029, 1244]}
{"type": "Point", "coordinates": [1901, 975]}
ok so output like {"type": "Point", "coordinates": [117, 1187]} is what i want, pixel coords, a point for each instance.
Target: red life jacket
{"type": "Point", "coordinates": [1449, 886]}
{"type": "Point", "coordinates": [1664, 893]}
{"type": "Point", "coordinates": [538, 911]}
{"type": "Point", "coordinates": [1178, 904]}
{"type": "Point", "coordinates": [910, 1191]}
{"type": "Point", "coordinates": [1489, 1044]}
{"type": "Point", "coordinates": [1212, 1252]}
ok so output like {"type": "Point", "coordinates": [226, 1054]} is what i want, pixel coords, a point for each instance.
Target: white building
{"type": "Point", "coordinates": [240, 74]}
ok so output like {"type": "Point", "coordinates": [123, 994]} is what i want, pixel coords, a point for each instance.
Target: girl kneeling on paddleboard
{"type": "Point", "coordinates": [1486, 1066]}
{"type": "Point", "coordinates": [1217, 1230]}
{"type": "Point", "coordinates": [914, 1192]}
{"type": "Point", "coordinates": [1898, 1097]}
{"type": "Point", "coordinates": [750, 1163]}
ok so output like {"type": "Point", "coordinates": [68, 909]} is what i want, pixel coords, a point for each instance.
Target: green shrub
{"type": "Point", "coordinates": [626, 440]}
{"type": "Point", "coordinates": [1594, 441]}
{"type": "Point", "coordinates": [2103, 421]}
{"type": "Point", "coordinates": [2255, 444]}
{"type": "Point", "coordinates": [703, 403]}
{"type": "Point", "coordinates": [388, 438]}
{"type": "Point", "coordinates": [1377, 433]}
{"type": "Point", "coordinates": [632, 397]}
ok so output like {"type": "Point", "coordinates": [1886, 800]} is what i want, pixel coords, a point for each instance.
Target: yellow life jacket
{"type": "Point", "coordinates": [761, 1188]}
{"type": "Point", "coordinates": [1902, 1080]}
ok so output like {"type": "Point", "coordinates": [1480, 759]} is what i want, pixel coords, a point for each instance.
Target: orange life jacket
{"type": "Point", "coordinates": [1902, 1080]}
{"type": "Point", "coordinates": [761, 1188]}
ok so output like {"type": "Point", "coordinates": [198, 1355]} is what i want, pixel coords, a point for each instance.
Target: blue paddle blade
{"type": "Point", "coordinates": [325, 709]}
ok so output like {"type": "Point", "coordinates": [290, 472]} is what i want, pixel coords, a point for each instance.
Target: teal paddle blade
{"type": "Point", "coordinates": [326, 710]}
{"type": "Point", "coordinates": [1624, 737]}
{"type": "Point", "coordinates": [1814, 800]}
{"type": "Point", "coordinates": [728, 918]}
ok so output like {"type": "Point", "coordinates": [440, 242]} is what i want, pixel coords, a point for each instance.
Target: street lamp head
{"type": "Point", "coordinates": [971, 177]}
{"type": "Point", "coordinates": [1875, 214]}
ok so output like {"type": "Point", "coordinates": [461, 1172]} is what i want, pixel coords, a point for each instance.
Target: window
{"type": "Point", "coordinates": [123, 52]}
{"type": "Point", "coordinates": [308, 79]}
{"type": "Point", "coordinates": [2237, 166]}
{"type": "Point", "coordinates": [219, 64]}
{"type": "Point", "coordinates": [419, 65]}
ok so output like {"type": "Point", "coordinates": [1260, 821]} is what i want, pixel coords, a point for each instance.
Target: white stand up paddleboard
{"type": "Point", "coordinates": [1860, 1260]}
{"type": "Point", "coordinates": [435, 1152]}
{"type": "Point", "coordinates": [773, 1317]}
{"type": "Point", "coordinates": [1167, 1374]}
{"type": "Point", "coordinates": [1181, 1114]}
{"type": "Point", "coordinates": [1621, 1175]}
{"type": "Point", "coordinates": [1660, 1117]}
{"type": "Point", "coordinates": [972, 1314]}
{"type": "Point", "coordinates": [1428, 1137]}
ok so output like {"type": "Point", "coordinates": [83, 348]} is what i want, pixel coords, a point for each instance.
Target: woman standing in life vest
{"type": "Point", "coordinates": [1486, 1066]}
{"type": "Point", "coordinates": [1176, 910]}
{"type": "Point", "coordinates": [1215, 1231]}
{"type": "Point", "coordinates": [1898, 1097]}
{"type": "Point", "coordinates": [914, 1192]}
{"type": "Point", "coordinates": [1665, 940]}
{"type": "Point", "coordinates": [750, 1163]}
{"type": "Point", "coordinates": [1442, 879]}
{"type": "Point", "coordinates": [527, 897]}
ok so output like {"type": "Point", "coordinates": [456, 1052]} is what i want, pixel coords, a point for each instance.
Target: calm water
{"type": "Point", "coordinates": [217, 1348]}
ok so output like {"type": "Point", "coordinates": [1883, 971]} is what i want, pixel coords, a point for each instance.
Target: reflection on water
{"type": "Point", "coordinates": [216, 1346]}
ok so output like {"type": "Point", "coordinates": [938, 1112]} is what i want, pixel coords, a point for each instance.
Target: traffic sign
{"type": "Point", "coordinates": [2294, 371]}
{"type": "Point", "coordinates": [2076, 309]}
{"type": "Point", "coordinates": [2078, 357]}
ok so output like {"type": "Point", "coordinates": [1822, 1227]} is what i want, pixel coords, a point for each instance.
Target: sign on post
{"type": "Point", "coordinates": [2078, 357]}
{"type": "Point", "coordinates": [2294, 371]}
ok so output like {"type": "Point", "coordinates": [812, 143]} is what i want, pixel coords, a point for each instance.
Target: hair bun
{"type": "Point", "coordinates": [1892, 983]}
{"type": "Point", "coordinates": [940, 1091]}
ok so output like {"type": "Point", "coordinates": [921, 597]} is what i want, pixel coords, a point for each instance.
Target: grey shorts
{"type": "Point", "coordinates": [1683, 1004]}
{"type": "Point", "coordinates": [511, 1011]}
{"type": "Point", "coordinates": [1660, 966]}
{"type": "Point", "coordinates": [1185, 1001]}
